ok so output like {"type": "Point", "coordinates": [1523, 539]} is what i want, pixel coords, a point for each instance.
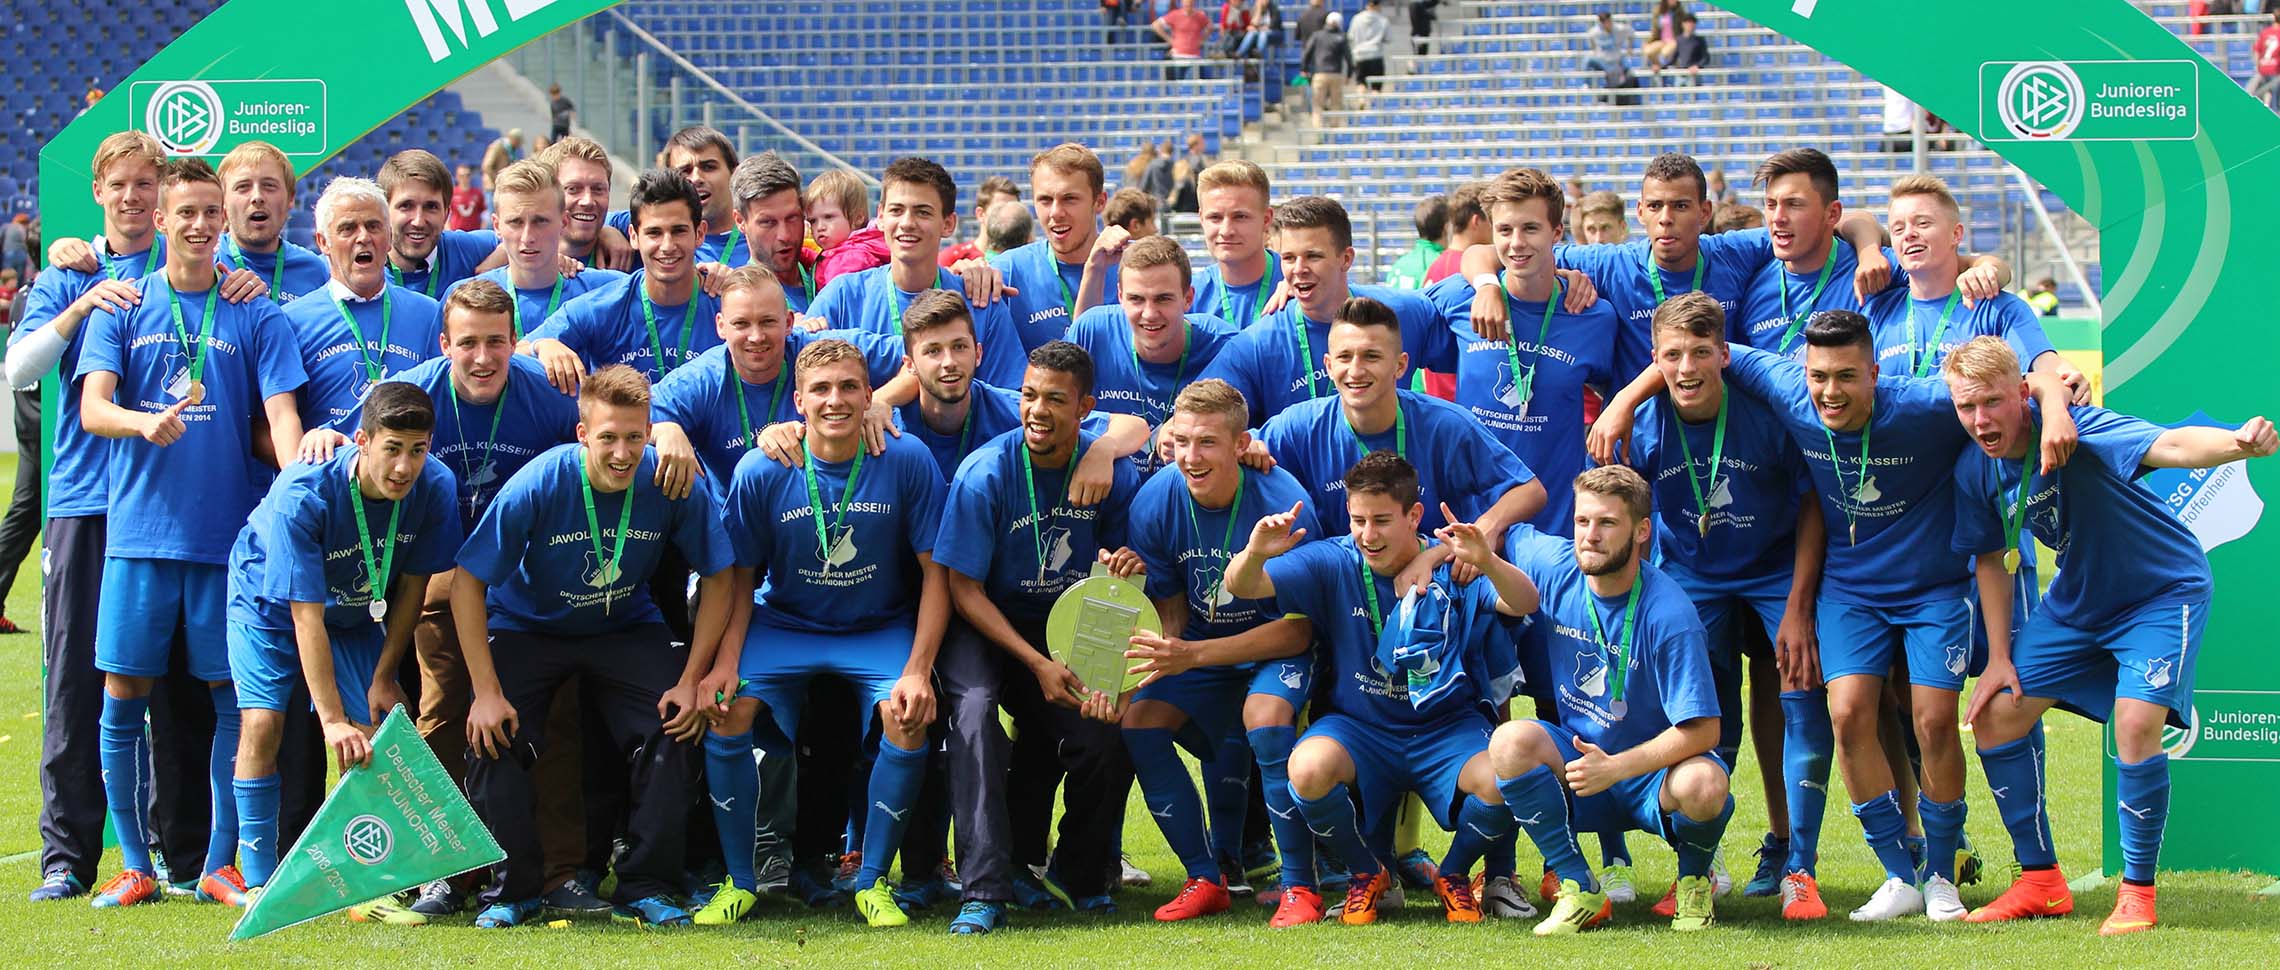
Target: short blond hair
{"type": "Point", "coordinates": [573, 147]}
{"type": "Point", "coordinates": [1069, 157]}
{"type": "Point", "coordinates": [1618, 482]}
{"type": "Point", "coordinates": [527, 177]}
{"type": "Point", "coordinates": [1929, 185]}
{"type": "Point", "coordinates": [617, 386]}
{"type": "Point", "coordinates": [1985, 359]}
{"type": "Point", "coordinates": [478, 296]}
{"type": "Point", "coordinates": [841, 186]}
{"type": "Point", "coordinates": [254, 153]}
{"type": "Point", "coordinates": [824, 353]}
{"type": "Point", "coordinates": [1212, 396]}
{"type": "Point", "coordinates": [1521, 184]}
{"type": "Point", "coordinates": [1155, 251]}
{"type": "Point", "coordinates": [750, 276]}
{"type": "Point", "coordinates": [1232, 173]}
{"type": "Point", "coordinates": [1696, 314]}
{"type": "Point", "coordinates": [127, 146]}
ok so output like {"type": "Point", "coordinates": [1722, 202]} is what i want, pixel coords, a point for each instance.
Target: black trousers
{"type": "Point", "coordinates": [71, 770]}
{"type": "Point", "coordinates": [21, 525]}
{"type": "Point", "coordinates": [625, 672]}
{"type": "Point", "coordinates": [978, 677]}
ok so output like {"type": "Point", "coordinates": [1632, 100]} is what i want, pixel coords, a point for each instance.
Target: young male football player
{"type": "Point", "coordinates": [653, 320]}
{"type": "Point", "coordinates": [529, 214]}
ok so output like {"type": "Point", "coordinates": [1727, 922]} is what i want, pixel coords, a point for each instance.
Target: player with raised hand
{"type": "Point", "coordinates": [1013, 540]}
{"type": "Point", "coordinates": [1399, 720]}
{"type": "Point", "coordinates": [1147, 347]}
{"type": "Point", "coordinates": [1736, 537]}
{"type": "Point", "coordinates": [1638, 714]}
{"type": "Point", "coordinates": [358, 328]}
{"type": "Point", "coordinates": [1884, 599]}
{"type": "Point", "coordinates": [181, 412]}
{"type": "Point", "coordinates": [529, 213]}
{"type": "Point", "coordinates": [918, 208]}
{"type": "Point", "coordinates": [553, 583]}
{"type": "Point", "coordinates": [2116, 636]}
{"type": "Point", "coordinates": [1223, 664]}
{"type": "Point", "coordinates": [853, 592]}
{"type": "Point", "coordinates": [325, 584]}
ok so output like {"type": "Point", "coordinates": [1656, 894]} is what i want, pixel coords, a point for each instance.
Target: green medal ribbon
{"type": "Point", "coordinates": [276, 274]}
{"type": "Point", "coordinates": [1400, 432]}
{"type": "Point", "coordinates": [1179, 374]}
{"type": "Point", "coordinates": [807, 280]}
{"type": "Point", "coordinates": [1619, 654]}
{"type": "Point", "coordinates": [1225, 550]}
{"type": "Point", "coordinates": [1369, 593]}
{"type": "Point", "coordinates": [498, 410]}
{"type": "Point", "coordinates": [1526, 385]}
{"type": "Point", "coordinates": [150, 262]}
{"type": "Point", "coordinates": [1029, 482]}
{"type": "Point", "coordinates": [1852, 526]}
{"type": "Point", "coordinates": [1925, 351]}
{"type": "Point", "coordinates": [735, 233]}
{"type": "Point", "coordinates": [205, 328]}
{"type": "Point", "coordinates": [1703, 491]}
{"type": "Point", "coordinates": [656, 343]}
{"type": "Point", "coordinates": [896, 299]}
{"type": "Point", "coordinates": [1654, 275]}
{"type": "Point", "coordinates": [375, 365]}
{"type": "Point", "coordinates": [2015, 513]}
{"type": "Point", "coordinates": [744, 411]}
{"type": "Point", "coordinates": [1068, 297]}
{"type": "Point", "coordinates": [435, 276]}
{"type": "Point", "coordinates": [552, 300]}
{"type": "Point", "coordinates": [378, 572]}
{"type": "Point", "coordinates": [815, 501]}
{"type": "Point", "coordinates": [1227, 306]}
{"type": "Point", "coordinates": [606, 570]}
{"type": "Point", "coordinates": [1797, 320]}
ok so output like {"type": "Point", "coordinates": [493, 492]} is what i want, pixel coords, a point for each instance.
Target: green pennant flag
{"type": "Point", "coordinates": [393, 824]}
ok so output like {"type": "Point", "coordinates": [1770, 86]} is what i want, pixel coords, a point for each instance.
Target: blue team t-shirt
{"type": "Point", "coordinates": [1187, 545]}
{"type": "Point", "coordinates": [1322, 581]}
{"type": "Point", "coordinates": [719, 247]}
{"type": "Point", "coordinates": [867, 576]}
{"type": "Point", "coordinates": [1761, 322]}
{"type": "Point", "coordinates": [1457, 461]}
{"type": "Point", "coordinates": [1667, 679]}
{"type": "Point", "coordinates": [1885, 521]}
{"type": "Point", "coordinates": [536, 306]}
{"type": "Point", "coordinates": [1025, 559]}
{"type": "Point", "coordinates": [1904, 328]}
{"type": "Point", "coordinates": [1048, 287]}
{"type": "Point", "coordinates": [302, 546]}
{"type": "Point", "coordinates": [77, 481]}
{"type": "Point", "coordinates": [608, 326]}
{"type": "Point", "coordinates": [1727, 261]}
{"type": "Point", "coordinates": [457, 253]}
{"type": "Point", "coordinates": [186, 500]}
{"type": "Point", "coordinates": [1751, 501]}
{"type": "Point", "coordinates": [870, 300]}
{"type": "Point", "coordinates": [2134, 549]}
{"type": "Point", "coordinates": [1238, 305]}
{"type": "Point", "coordinates": [721, 412]}
{"type": "Point", "coordinates": [1274, 369]}
{"type": "Point", "coordinates": [305, 271]}
{"type": "Point", "coordinates": [400, 329]}
{"type": "Point", "coordinates": [529, 418]}
{"type": "Point", "coordinates": [1542, 422]}
{"type": "Point", "coordinates": [535, 549]}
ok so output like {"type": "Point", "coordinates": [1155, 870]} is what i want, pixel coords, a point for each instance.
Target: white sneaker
{"type": "Point", "coordinates": [1893, 900]}
{"type": "Point", "coordinates": [1133, 875]}
{"type": "Point", "coordinates": [1501, 899]}
{"type": "Point", "coordinates": [1941, 902]}
{"type": "Point", "coordinates": [1615, 882]}
{"type": "Point", "coordinates": [1721, 881]}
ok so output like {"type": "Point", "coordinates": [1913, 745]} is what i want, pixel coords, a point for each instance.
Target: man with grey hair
{"type": "Point", "coordinates": [359, 328]}
{"type": "Point", "coordinates": [1007, 226]}
{"type": "Point", "coordinates": [765, 189]}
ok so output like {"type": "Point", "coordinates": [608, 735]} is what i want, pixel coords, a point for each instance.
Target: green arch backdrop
{"type": "Point", "coordinates": [2155, 146]}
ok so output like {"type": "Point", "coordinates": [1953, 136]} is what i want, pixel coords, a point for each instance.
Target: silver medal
{"type": "Point", "coordinates": [378, 609]}
{"type": "Point", "coordinates": [1619, 708]}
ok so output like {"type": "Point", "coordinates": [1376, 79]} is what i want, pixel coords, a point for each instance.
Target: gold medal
{"type": "Point", "coordinates": [197, 393]}
{"type": "Point", "coordinates": [2011, 561]}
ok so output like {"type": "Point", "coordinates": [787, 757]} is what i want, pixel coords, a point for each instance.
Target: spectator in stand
{"type": "Point", "coordinates": [1117, 18]}
{"type": "Point", "coordinates": [1132, 210]}
{"type": "Point", "coordinates": [1468, 227]}
{"type": "Point", "coordinates": [1421, 13]}
{"type": "Point", "coordinates": [1604, 47]}
{"type": "Point", "coordinates": [1693, 51]}
{"type": "Point", "coordinates": [16, 245]}
{"type": "Point", "coordinates": [1137, 168]}
{"type": "Point", "coordinates": [1718, 191]}
{"type": "Point", "coordinates": [1235, 28]}
{"type": "Point", "coordinates": [1736, 217]}
{"type": "Point", "coordinates": [94, 94]}
{"type": "Point", "coordinates": [2044, 296]}
{"type": "Point", "coordinates": [1326, 61]}
{"type": "Point", "coordinates": [1662, 34]}
{"type": "Point", "coordinates": [995, 189]}
{"type": "Point", "coordinates": [1601, 219]}
{"type": "Point", "coordinates": [838, 209]}
{"type": "Point", "coordinates": [467, 205]}
{"type": "Point", "coordinates": [2266, 84]}
{"type": "Point", "coordinates": [501, 153]}
{"type": "Point", "coordinates": [1183, 31]}
{"type": "Point", "coordinates": [1267, 23]}
{"type": "Point", "coordinates": [10, 285]}
{"type": "Point", "coordinates": [562, 113]}
{"type": "Point", "coordinates": [1007, 226]}
{"type": "Point", "coordinates": [1899, 121]}
{"type": "Point", "coordinates": [1371, 29]}
{"type": "Point", "coordinates": [1311, 19]}
{"type": "Point", "coordinates": [1432, 222]}
{"type": "Point", "coordinates": [1157, 179]}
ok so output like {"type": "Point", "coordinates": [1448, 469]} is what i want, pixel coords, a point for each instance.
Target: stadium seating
{"type": "Point", "coordinates": [52, 60]}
